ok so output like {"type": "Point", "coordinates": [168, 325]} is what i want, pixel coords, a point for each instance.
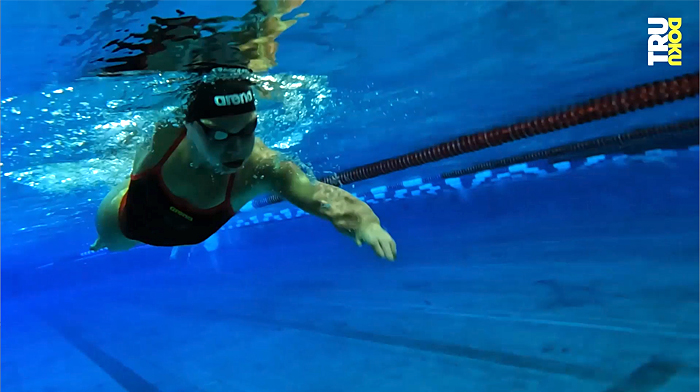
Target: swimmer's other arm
{"type": "Point", "coordinates": [348, 214]}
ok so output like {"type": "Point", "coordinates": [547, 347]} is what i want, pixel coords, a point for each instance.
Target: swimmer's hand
{"type": "Point", "coordinates": [382, 243]}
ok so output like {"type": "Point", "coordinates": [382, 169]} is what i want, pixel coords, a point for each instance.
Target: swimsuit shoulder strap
{"type": "Point", "coordinates": [172, 148]}
{"type": "Point", "coordinates": [155, 169]}
{"type": "Point", "coordinates": [229, 191]}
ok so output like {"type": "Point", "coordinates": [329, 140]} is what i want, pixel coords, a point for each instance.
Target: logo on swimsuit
{"type": "Point", "coordinates": [659, 36]}
{"type": "Point", "coordinates": [182, 214]}
{"type": "Point", "coordinates": [233, 99]}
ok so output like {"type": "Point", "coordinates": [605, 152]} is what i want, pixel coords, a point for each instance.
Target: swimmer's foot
{"type": "Point", "coordinates": [97, 245]}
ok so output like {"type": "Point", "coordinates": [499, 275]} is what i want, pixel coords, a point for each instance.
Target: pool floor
{"type": "Point", "coordinates": [490, 324]}
{"type": "Point", "coordinates": [594, 292]}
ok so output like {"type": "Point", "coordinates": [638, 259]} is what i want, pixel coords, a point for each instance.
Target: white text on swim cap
{"type": "Point", "coordinates": [233, 99]}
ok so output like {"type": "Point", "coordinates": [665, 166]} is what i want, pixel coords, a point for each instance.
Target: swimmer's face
{"type": "Point", "coordinates": [226, 142]}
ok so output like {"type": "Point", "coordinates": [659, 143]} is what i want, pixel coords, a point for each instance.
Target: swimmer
{"type": "Point", "coordinates": [198, 173]}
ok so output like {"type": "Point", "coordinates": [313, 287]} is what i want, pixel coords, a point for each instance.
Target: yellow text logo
{"type": "Point", "coordinates": [664, 44]}
{"type": "Point", "coordinates": [182, 214]}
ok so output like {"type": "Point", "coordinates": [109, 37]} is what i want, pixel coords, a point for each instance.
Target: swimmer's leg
{"type": "Point", "coordinates": [110, 235]}
{"type": "Point", "coordinates": [173, 252]}
{"type": "Point", "coordinates": [214, 262]}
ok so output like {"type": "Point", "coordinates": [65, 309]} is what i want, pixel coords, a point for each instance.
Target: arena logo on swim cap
{"type": "Point", "coordinates": [660, 36]}
{"type": "Point", "coordinates": [233, 99]}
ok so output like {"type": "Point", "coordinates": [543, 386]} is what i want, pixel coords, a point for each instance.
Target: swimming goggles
{"type": "Point", "coordinates": [221, 135]}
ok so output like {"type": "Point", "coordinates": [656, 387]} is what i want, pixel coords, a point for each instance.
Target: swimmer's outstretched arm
{"type": "Point", "coordinates": [347, 213]}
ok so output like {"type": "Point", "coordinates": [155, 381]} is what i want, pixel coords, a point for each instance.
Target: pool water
{"type": "Point", "coordinates": [574, 271]}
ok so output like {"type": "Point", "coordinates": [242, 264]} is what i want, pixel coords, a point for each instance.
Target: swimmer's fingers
{"type": "Point", "coordinates": [392, 244]}
{"type": "Point", "coordinates": [389, 247]}
{"type": "Point", "coordinates": [378, 249]}
{"type": "Point", "coordinates": [385, 248]}
{"type": "Point", "coordinates": [380, 241]}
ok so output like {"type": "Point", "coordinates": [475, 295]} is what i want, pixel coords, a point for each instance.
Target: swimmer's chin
{"type": "Point", "coordinates": [223, 168]}
{"type": "Point", "coordinates": [220, 169]}
{"type": "Point", "coordinates": [230, 167]}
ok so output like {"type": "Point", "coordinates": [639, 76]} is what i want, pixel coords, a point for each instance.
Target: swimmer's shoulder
{"type": "Point", "coordinates": [259, 166]}
{"type": "Point", "coordinates": [268, 164]}
{"type": "Point", "coordinates": [263, 157]}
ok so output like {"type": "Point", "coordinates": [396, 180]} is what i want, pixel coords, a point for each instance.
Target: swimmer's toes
{"type": "Point", "coordinates": [97, 245]}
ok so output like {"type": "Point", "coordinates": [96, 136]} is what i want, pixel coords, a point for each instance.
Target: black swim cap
{"type": "Point", "coordinates": [222, 97]}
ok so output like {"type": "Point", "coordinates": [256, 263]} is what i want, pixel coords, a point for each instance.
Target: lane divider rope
{"type": "Point", "coordinates": [635, 98]}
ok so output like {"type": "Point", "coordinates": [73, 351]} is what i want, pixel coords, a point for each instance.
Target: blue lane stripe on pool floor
{"type": "Point", "coordinates": [119, 372]}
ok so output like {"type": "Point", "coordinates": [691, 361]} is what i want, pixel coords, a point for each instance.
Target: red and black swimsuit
{"type": "Point", "coordinates": [151, 214]}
